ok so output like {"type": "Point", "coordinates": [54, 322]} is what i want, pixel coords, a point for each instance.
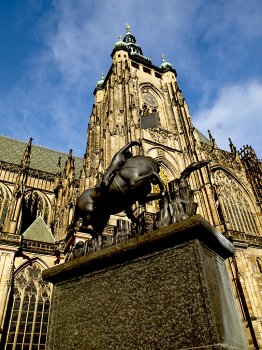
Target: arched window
{"type": "Point", "coordinates": [27, 327]}
{"type": "Point", "coordinates": [34, 205]}
{"type": "Point", "coordinates": [149, 99]}
{"type": "Point", "coordinates": [236, 207]}
{"type": "Point", "coordinates": [4, 202]}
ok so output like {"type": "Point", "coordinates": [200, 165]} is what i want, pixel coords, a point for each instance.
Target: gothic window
{"type": "Point", "coordinates": [33, 206]}
{"type": "Point", "coordinates": [234, 202]}
{"type": "Point", "coordinates": [151, 106]}
{"type": "Point", "coordinates": [27, 327]}
{"type": "Point", "coordinates": [4, 202]}
{"type": "Point", "coordinates": [149, 97]}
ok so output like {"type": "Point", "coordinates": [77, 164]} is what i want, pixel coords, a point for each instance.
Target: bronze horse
{"type": "Point", "coordinates": [131, 183]}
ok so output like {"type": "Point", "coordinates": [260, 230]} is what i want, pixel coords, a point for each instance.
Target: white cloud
{"type": "Point", "coordinates": [236, 113]}
{"type": "Point", "coordinates": [53, 98]}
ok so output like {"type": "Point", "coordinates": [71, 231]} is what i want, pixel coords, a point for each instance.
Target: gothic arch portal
{"type": "Point", "coordinates": [235, 202]}
{"type": "Point", "coordinates": [166, 160]}
{"type": "Point", "coordinates": [30, 304]}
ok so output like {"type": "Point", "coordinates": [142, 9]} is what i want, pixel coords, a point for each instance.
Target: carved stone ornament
{"type": "Point", "coordinates": [180, 98]}
{"type": "Point", "coordinates": [162, 136]}
{"type": "Point", "coordinates": [220, 156]}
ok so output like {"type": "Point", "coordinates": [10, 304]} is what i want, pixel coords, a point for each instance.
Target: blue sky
{"type": "Point", "coordinates": [52, 53]}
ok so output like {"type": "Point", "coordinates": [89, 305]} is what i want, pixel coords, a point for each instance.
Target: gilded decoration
{"type": "Point", "coordinates": [166, 178]}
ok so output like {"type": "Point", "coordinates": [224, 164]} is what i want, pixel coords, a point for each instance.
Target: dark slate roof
{"type": "Point", "coordinates": [42, 158]}
{"type": "Point", "coordinates": [38, 231]}
{"type": "Point", "coordinates": [203, 138]}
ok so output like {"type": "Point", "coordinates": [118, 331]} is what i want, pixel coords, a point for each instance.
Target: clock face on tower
{"type": "Point", "coordinates": [149, 99]}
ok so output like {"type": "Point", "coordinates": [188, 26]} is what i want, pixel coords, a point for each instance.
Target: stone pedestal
{"type": "Point", "coordinates": [168, 289]}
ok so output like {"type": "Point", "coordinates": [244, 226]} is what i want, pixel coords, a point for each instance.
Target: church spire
{"type": "Point", "coordinates": [165, 66]}
{"type": "Point", "coordinates": [133, 48]}
{"type": "Point", "coordinates": [128, 28]}
{"type": "Point", "coordinates": [18, 192]}
{"type": "Point", "coordinates": [26, 156]}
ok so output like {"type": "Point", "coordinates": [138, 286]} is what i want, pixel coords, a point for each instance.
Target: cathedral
{"type": "Point", "coordinates": [135, 101]}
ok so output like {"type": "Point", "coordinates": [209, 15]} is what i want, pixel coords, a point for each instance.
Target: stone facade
{"type": "Point", "coordinates": [35, 181]}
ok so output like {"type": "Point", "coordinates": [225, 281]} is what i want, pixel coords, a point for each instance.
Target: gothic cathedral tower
{"type": "Point", "coordinates": [140, 101]}
{"type": "Point", "coordinates": [134, 89]}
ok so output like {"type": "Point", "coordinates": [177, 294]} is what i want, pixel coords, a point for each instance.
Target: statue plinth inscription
{"type": "Point", "coordinates": [167, 289]}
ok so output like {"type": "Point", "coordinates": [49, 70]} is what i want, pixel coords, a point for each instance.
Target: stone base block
{"type": "Point", "coordinates": [168, 289]}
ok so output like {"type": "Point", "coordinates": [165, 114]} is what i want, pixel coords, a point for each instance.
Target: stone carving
{"type": "Point", "coordinates": [178, 202]}
{"type": "Point", "coordinates": [217, 155]}
{"type": "Point", "coordinates": [162, 136]}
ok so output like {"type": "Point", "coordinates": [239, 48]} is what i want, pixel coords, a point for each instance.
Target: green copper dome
{"type": "Point", "coordinates": [165, 66]}
{"type": "Point", "coordinates": [100, 82]}
{"type": "Point", "coordinates": [120, 44]}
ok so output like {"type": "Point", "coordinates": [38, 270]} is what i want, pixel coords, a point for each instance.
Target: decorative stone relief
{"type": "Point", "coordinates": [162, 136]}
{"type": "Point", "coordinates": [220, 156]}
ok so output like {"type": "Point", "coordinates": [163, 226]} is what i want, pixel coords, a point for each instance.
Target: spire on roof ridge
{"type": "Point", "coordinates": [25, 162]}
{"type": "Point", "coordinates": [128, 28]}
{"type": "Point", "coordinates": [132, 47]}
{"type": "Point", "coordinates": [211, 138]}
{"type": "Point", "coordinates": [100, 82]}
{"type": "Point", "coordinates": [232, 146]}
{"type": "Point", "coordinates": [165, 66]}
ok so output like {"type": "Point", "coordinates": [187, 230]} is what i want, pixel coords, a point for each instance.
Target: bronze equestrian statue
{"type": "Point", "coordinates": [127, 180]}
{"type": "Point", "coordinates": [178, 203]}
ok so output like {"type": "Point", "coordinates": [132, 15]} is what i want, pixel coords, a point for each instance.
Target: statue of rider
{"type": "Point", "coordinates": [117, 162]}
